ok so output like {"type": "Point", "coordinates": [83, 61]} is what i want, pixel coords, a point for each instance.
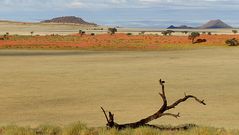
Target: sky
{"type": "Point", "coordinates": [125, 13]}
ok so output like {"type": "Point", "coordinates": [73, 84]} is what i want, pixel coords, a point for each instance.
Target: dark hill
{"type": "Point", "coordinates": [69, 19]}
{"type": "Point", "coordinates": [179, 27]}
{"type": "Point", "coordinates": [215, 24]}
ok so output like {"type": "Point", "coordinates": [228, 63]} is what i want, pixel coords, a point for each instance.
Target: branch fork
{"type": "Point", "coordinates": [160, 113]}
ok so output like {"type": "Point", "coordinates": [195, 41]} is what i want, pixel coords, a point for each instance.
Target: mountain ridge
{"type": "Point", "coordinates": [179, 27]}
{"type": "Point", "coordinates": [212, 24]}
{"type": "Point", "coordinates": [215, 24]}
{"type": "Point", "coordinates": [70, 20]}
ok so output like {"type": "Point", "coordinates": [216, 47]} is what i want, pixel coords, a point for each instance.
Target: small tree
{"type": "Point", "coordinates": [193, 36]}
{"type": "Point", "coordinates": [209, 33]}
{"type": "Point", "coordinates": [170, 32]}
{"type": "Point", "coordinates": [129, 34]}
{"type": "Point", "coordinates": [185, 32]}
{"type": "Point", "coordinates": [81, 32]}
{"type": "Point", "coordinates": [167, 32]}
{"type": "Point", "coordinates": [142, 33]}
{"type": "Point", "coordinates": [112, 31]}
{"type": "Point", "coordinates": [6, 36]}
{"type": "Point", "coordinates": [32, 32]}
{"type": "Point", "coordinates": [232, 42]}
{"type": "Point", "coordinates": [234, 31]}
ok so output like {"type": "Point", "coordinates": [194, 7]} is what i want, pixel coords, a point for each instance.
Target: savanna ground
{"type": "Point", "coordinates": [61, 87]}
{"type": "Point", "coordinates": [61, 79]}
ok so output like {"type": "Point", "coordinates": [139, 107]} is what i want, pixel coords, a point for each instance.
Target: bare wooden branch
{"type": "Point", "coordinates": [105, 114]}
{"type": "Point", "coordinates": [162, 84]}
{"type": "Point", "coordinates": [164, 98]}
{"type": "Point", "coordinates": [184, 99]}
{"type": "Point", "coordinates": [161, 112]}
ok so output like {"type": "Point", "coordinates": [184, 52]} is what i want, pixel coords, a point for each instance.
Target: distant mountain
{"type": "Point", "coordinates": [215, 24]}
{"type": "Point", "coordinates": [68, 19]}
{"type": "Point", "coordinates": [179, 27]}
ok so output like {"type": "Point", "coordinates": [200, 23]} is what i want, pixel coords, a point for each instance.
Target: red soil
{"type": "Point", "coordinates": [105, 41]}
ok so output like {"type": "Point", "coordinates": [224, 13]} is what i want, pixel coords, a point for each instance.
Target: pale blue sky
{"type": "Point", "coordinates": [137, 13]}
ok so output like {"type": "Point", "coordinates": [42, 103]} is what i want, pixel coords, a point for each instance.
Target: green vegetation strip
{"type": "Point", "coordinates": [79, 128]}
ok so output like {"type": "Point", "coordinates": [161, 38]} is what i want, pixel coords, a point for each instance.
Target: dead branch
{"type": "Point", "coordinates": [161, 112]}
{"type": "Point", "coordinates": [107, 119]}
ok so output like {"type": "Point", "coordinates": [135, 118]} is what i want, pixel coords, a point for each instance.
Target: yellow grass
{"type": "Point", "coordinates": [42, 28]}
{"type": "Point", "coordinates": [60, 87]}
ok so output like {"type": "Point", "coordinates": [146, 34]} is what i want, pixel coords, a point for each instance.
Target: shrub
{"type": "Point", "coordinates": [81, 32]}
{"type": "Point", "coordinates": [200, 40]}
{"type": "Point", "coordinates": [112, 31]}
{"type": "Point", "coordinates": [129, 34]}
{"type": "Point", "coordinates": [234, 31]}
{"type": "Point", "coordinates": [209, 33]}
{"type": "Point", "coordinates": [232, 42]}
{"type": "Point", "coordinates": [5, 36]}
{"type": "Point", "coordinates": [142, 33]}
{"type": "Point", "coordinates": [193, 36]}
{"type": "Point", "coordinates": [92, 34]}
{"type": "Point", "coordinates": [167, 32]}
{"type": "Point", "coordinates": [164, 33]}
{"type": "Point", "coordinates": [32, 32]}
{"type": "Point", "coordinates": [170, 32]}
{"type": "Point", "coordinates": [185, 32]}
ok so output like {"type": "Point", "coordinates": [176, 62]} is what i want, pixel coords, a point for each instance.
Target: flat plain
{"type": "Point", "coordinates": [25, 28]}
{"type": "Point", "coordinates": [60, 87]}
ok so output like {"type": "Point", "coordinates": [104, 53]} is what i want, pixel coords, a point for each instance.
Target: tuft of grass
{"type": "Point", "coordinates": [77, 128]}
{"type": "Point", "coordinates": [48, 130]}
{"type": "Point", "coordinates": [16, 130]}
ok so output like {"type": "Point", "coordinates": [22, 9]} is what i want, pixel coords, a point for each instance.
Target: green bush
{"type": "Point", "coordinates": [167, 32]}
{"type": "Point", "coordinates": [112, 31]}
{"type": "Point", "coordinates": [129, 34]}
{"type": "Point", "coordinates": [193, 36]}
{"type": "Point", "coordinates": [234, 31]}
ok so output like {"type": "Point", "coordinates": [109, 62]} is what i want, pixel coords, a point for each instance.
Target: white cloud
{"type": "Point", "coordinates": [76, 4]}
{"type": "Point", "coordinates": [118, 1]}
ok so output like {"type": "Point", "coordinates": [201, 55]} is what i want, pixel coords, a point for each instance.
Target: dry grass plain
{"type": "Point", "coordinates": [25, 28]}
{"type": "Point", "coordinates": [22, 28]}
{"type": "Point", "coordinates": [60, 87]}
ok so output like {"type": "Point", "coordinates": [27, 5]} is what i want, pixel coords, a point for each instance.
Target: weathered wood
{"type": "Point", "coordinates": [161, 112]}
